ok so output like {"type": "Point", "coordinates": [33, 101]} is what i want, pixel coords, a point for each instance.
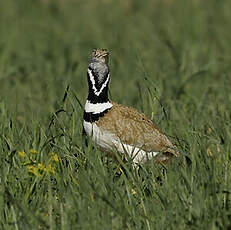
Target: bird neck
{"type": "Point", "coordinates": [98, 77]}
{"type": "Point", "coordinates": [100, 97]}
{"type": "Point", "coordinates": [97, 103]}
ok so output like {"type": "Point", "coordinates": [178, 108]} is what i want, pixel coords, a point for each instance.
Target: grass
{"type": "Point", "coordinates": [169, 59]}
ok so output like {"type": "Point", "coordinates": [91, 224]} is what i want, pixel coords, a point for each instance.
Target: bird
{"type": "Point", "coordinates": [115, 127]}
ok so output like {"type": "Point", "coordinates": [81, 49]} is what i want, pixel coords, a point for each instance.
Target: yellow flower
{"type": "Point", "coordinates": [31, 159]}
{"type": "Point", "coordinates": [51, 168]}
{"type": "Point", "coordinates": [41, 167]}
{"type": "Point", "coordinates": [33, 151]}
{"type": "Point", "coordinates": [21, 153]}
{"type": "Point", "coordinates": [55, 157]}
{"type": "Point", "coordinates": [133, 191]}
{"type": "Point", "coordinates": [27, 163]}
{"type": "Point", "coordinates": [32, 169]}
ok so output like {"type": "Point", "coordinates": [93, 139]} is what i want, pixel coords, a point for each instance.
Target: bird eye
{"type": "Point", "coordinates": [93, 51]}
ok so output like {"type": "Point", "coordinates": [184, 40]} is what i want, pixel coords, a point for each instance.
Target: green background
{"type": "Point", "coordinates": [168, 58]}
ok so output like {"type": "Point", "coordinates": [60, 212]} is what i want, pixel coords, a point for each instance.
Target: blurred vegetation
{"type": "Point", "coordinates": [169, 58]}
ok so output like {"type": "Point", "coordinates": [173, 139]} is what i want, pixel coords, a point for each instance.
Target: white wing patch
{"type": "Point", "coordinates": [96, 108]}
{"type": "Point", "coordinates": [97, 92]}
{"type": "Point", "coordinates": [138, 155]}
{"type": "Point", "coordinates": [110, 141]}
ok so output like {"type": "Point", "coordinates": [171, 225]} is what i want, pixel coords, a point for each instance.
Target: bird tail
{"type": "Point", "coordinates": [169, 153]}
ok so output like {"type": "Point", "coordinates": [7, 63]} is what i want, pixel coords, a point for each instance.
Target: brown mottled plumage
{"type": "Point", "coordinates": [136, 129]}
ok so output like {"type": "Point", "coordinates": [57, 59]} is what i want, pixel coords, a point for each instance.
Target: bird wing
{"type": "Point", "coordinates": [135, 129]}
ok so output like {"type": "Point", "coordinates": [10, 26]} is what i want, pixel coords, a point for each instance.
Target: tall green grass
{"type": "Point", "coordinates": [169, 59]}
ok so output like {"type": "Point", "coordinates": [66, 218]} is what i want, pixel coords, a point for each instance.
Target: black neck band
{"type": "Point", "coordinates": [92, 117]}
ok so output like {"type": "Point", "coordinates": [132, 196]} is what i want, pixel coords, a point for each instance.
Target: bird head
{"type": "Point", "coordinates": [100, 55]}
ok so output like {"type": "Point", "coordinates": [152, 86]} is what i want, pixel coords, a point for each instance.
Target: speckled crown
{"type": "Point", "coordinates": [101, 55]}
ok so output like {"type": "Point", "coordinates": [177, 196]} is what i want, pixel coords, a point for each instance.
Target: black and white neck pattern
{"type": "Point", "coordinates": [97, 103]}
{"type": "Point", "coordinates": [98, 81]}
